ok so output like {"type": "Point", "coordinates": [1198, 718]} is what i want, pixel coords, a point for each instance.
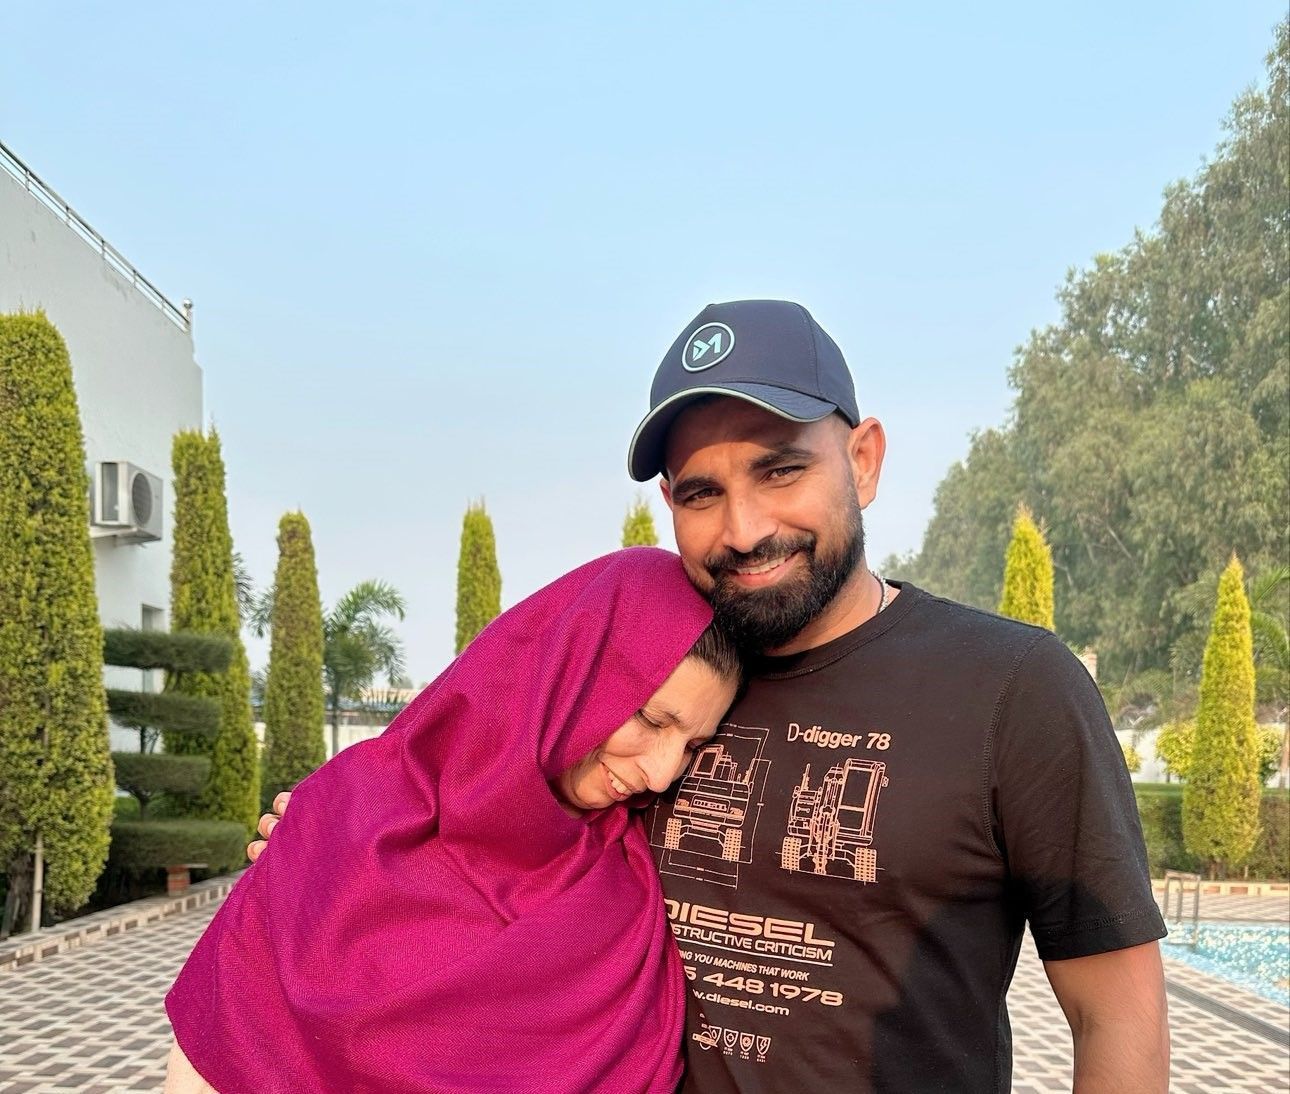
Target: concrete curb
{"type": "Point", "coordinates": [25, 949]}
{"type": "Point", "coordinates": [1235, 888]}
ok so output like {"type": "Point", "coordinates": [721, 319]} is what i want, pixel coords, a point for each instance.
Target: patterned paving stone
{"type": "Point", "coordinates": [90, 1020]}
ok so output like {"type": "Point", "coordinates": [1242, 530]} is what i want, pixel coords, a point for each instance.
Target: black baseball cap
{"type": "Point", "coordinates": [768, 352]}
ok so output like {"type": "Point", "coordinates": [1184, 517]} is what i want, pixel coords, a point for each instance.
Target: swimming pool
{"type": "Point", "coordinates": [1255, 956]}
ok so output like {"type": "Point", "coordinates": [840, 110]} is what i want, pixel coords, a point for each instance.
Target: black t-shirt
{"type": "Point", "coordinates": [849, 864]}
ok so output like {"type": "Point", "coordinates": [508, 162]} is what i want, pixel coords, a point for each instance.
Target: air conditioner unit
{"type": "Point", "coordinates": [126, 502]}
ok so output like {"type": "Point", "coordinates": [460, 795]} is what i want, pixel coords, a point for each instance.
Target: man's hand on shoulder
{"type": "Point", "coordinates": [255, 848]}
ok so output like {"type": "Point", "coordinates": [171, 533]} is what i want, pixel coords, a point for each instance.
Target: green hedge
{"type": "Point", "coordinates": [147, 774]}
{"type": "Point", "coordinates": [179, 652]}
{"type": "Point", "coordinates": [1160, 807]}
{"type": "Point", "coordinates": [170, 712]}
{"type": "Point", "coordinates": [142, 845]}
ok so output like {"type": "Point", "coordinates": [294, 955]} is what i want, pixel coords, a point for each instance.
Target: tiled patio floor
{"type": "Point", "coordinates": [91, 1020]}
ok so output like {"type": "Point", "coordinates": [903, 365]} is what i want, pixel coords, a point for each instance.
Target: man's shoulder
{"type": "Point", "coordinates": [957, 621]}
{"type": "Point", "coordinates": [978, 641]}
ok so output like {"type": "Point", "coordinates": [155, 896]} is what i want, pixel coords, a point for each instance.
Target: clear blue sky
{"type": "Point", "coordinates": [437, 250]}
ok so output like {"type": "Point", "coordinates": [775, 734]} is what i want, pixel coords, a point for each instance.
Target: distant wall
{"type": "Point", "coordinates": [136, 381]}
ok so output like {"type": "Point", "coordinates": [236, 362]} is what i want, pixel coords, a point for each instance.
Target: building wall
{"type": "Point", "coordinates": [136, 380]}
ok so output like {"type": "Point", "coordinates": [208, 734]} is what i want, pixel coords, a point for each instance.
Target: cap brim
{"type": "Point", "coordinates": [645, 454]}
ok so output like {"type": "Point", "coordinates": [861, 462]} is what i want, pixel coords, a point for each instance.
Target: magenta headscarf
{"type": "Point", "coordinates": [427, 917]}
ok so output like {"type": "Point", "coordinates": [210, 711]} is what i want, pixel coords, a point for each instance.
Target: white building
{"type": "Point", "coordinates": [136, 381]}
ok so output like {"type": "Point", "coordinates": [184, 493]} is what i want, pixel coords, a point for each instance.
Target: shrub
{"type": "Point", "coordinates": [638, 527]}
{"type": "Point", "coordinates": [293, 693]}
{"type": "Point", "coordinates": [479, 582]}
{"type": "Point", "coordinates": [143, 845]}
{"type": "Point", "coordinates": [165, 712]}
{"type": "Point", "coordinates": [1132, 760]}
{"type": "Point", "coordinates": [1160, 809]}
{"type": "Point", "coordinates": [159, 650]}
{"type": "Point", "coordinates": [148, 775]}
{"type": "Point", "coordinates": [1221, 798]}
{"type": "Point", "coordinates": [55, 771]}
{"type": "Point", "coordinates": [1028, 574]}
{"type": "Point", "coordinates": [203, 600]}
{"type": "Point", "coordinates": [1173, 747]}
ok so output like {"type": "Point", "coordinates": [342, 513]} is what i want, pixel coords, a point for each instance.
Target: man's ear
{"type": "Point", "coordinates": [666, 488]}
{"type": "Point", "coordinates": [866, 446]}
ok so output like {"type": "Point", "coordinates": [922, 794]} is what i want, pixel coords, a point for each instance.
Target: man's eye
{"type": "Point", "coordinates": [642, 716]}
{"type": "Point", "coordinates": [783, 472]}
{"type": "Point", "coordinates": [699, 496]}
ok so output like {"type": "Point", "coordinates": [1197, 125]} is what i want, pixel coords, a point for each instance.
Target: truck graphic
{"type": "Point", "coordinates": [833, 824]}
{"type": "Point", "coordinates": [712, 814]}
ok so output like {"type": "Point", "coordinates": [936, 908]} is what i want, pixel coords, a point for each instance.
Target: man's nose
{"type": "Point", "coordinates": [747, 524]}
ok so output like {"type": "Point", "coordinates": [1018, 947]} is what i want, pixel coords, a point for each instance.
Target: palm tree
{"type": "Point", "coordinates": [357, 643]}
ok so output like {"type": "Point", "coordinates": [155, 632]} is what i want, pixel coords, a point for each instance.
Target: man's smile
{"type": "Point", "coordinates": [760, 574]}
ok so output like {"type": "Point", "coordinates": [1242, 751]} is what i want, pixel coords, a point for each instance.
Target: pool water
{"type": "Point", "coordinates": [1255, 956]}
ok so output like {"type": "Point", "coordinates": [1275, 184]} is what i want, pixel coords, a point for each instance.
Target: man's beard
{"type": "Point", "coordinates": [765, 619]}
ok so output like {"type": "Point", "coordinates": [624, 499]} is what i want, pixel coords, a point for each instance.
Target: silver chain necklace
{"type": "Point", "coordinates": [882, 603]}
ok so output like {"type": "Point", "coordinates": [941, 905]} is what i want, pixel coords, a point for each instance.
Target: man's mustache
{"type": "Point", "coordinates": [726, 562]}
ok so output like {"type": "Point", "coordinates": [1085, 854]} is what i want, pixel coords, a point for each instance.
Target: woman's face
{"type": "Point", "coordinates": [650, 750]}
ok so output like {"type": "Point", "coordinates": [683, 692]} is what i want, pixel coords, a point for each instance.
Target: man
{"type": "Point", "coordinates": [904, 785]}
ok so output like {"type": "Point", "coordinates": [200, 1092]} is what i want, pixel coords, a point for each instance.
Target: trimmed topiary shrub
{"type": "Point", "coordinates": [203, 600]}
{"type": "Point", "coordinates": [55, 771]}
{"type": "Point", "coordinates": [1028, 574]}
{"type": "Point", "coordinates": [148, 775]}
{"type": "Point", "coordinates": [479, 581]}
{"type": "Point", "coordinates": [1221, 798]}
{"type": "Point", "coordinates": [153, 713]}
{"type": "Point", "coordinates": [143, 845]}
{"type": "Point", "coordinates": [638, 527]}
{"type": "Point", "coordinates": [293, 694]}
{"type": "Point", "coordinates": [133, 649]}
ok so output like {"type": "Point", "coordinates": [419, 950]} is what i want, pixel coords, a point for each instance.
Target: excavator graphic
{"type": "Point", "coordinates": [712, 804]}
{"type": "Point", "coordinates": [706, 827]}
{"type": "Point", "coordinates": [834, 823]}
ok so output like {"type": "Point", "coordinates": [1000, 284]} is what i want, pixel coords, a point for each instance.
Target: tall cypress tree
{"type": "Point", "coordinates": [293, 694]}
{"type": "Point", "coordinates": [203, 600]}
{"type": "Point", "coordinates": [1220, 812]}
{"type": "Point", "coordinates": [1028, 574]}
{"type": "Point", "coordinates": [638, 528]}
{"type": "Point", "coordinates": [479, 581]}
{"type": "Point", "coordinates": [55, 770]}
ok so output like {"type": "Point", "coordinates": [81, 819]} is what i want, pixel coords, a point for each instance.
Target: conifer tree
{"type": "Point", "coordinates": [293, 694]}
{"type": "Point", "coordinates": [1028, 574]}
{"type": "Point", "coordinates": [55, 770]}
{"type": "Point", "coordinates": [203, 600]}
{"type": "Point", "coordinates": [479, 582]}
{"type": "Point", "coordinates": [638, 528]}
{"type": "Point", "coordinates": [1220, 813]}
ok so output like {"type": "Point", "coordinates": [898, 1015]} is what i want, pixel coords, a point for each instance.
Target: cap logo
{"type": "Point", "coordinates": [707, 346]}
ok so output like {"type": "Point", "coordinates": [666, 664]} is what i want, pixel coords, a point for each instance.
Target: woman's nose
{"type": "Point", "coordinates": [663, 767]}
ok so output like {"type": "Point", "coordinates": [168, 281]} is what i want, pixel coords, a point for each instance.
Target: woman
{"type": "Point", "coordinates": [465, 903]}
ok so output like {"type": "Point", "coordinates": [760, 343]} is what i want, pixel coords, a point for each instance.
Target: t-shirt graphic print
{"type": "Point", "coordinates": [848, 865]}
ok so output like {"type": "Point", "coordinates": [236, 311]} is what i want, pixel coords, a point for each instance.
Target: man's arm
{"type": "Point", "coordinates": [1115, 1004]}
